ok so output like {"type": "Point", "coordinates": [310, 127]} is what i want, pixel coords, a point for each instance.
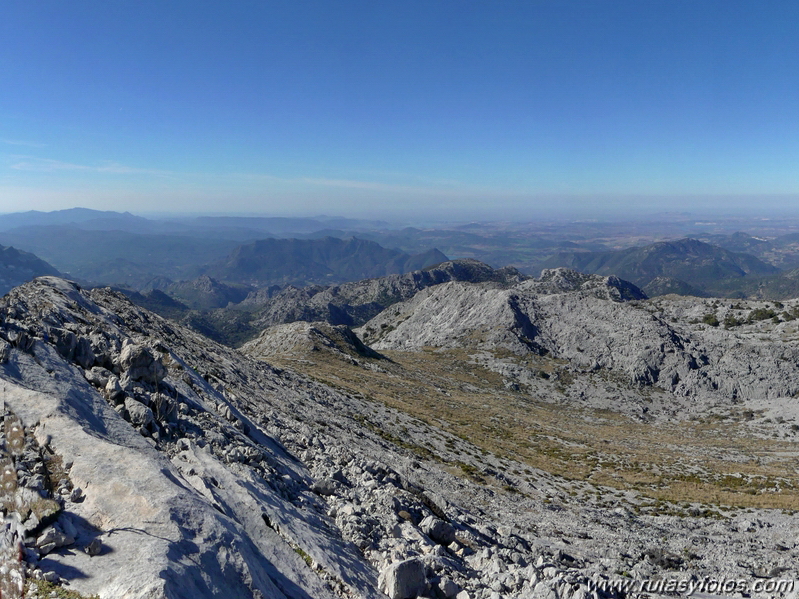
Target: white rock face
{"type": "Point", "coordinates": [443, 316]}
{"type": "Point", "coordinates": [187, 527]}
{"type": "Point", "coordinates": [145, 517]}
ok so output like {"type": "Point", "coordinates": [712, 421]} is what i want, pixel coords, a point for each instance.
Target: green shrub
{"type": "Point", "coordinates": [731, 321]}
{"type": "Point", "coordinates": [761, 314]}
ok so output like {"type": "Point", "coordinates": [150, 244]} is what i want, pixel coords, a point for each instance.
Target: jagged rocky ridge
{"type": "Point", "coordinates": [355, 303]}
{"type": "Point", "coordinates": [568, 316]}
{"type": "Point", "coordinates": [350, 304]}
{"type": "Point", "coordinates": [182, 468]}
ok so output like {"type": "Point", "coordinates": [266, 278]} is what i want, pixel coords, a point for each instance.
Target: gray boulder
{"type": "Point", "coordinates": [52, 538]}
{"type": "Point", "coordinates": [325, 487]}
{"type": "Point", "coordinates": [140, 415]}
{"type": "Point", "coordinates": [403, 580]}
{"type": "Point", "coordinates": [98, 376]}
{"type": "Point", "coordinates": [139, 364]}
{"type": "Point", "coordinates": [438, 530]}
{"type": "Point", "coordinates": [448, 588]}
{"type": "Point", "coordinates": [114, 391]}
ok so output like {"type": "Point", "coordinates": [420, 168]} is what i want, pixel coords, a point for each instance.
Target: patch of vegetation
{"type": "Point", "coordinates": [731, 321]}
{"type": "Point", "coordinates": [710, 319]}
{"type": "Point", "coordinates": [49, 589]}
{"type": "Point", "coordinates": [45, 509]}
{"type": "Point", "coordinates": [55, 471]}
{"type": "Point", "coordinates": [419, 450]}
{"type": "Point", "coordinates": [230, 327]}
{"type": "Point", "coordinates": [470, 471]}
{"type": "Point", "coordinates": [306, 558]}
{"type": "Point", "coordinates": [761, 314]}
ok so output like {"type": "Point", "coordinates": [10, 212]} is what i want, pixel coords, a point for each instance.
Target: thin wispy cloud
{"type": "Point", "coordinates": [382, 187]}
{"type": "Point", "coordinates": [439, 187]}
{"type": "Point", "coordinates": [17, 142]}
{"type": "Point", "coordinates": [30, 163]}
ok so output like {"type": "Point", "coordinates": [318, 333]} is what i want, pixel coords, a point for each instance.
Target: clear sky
{"type": "Point", "coordinates": [376, 108]}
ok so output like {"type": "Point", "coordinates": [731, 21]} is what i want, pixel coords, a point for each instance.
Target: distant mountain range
{"type": "Point", "coordinates": [121, 249]}
{"type": "Point", "coordinates": [81, 217]}
{"type": "Point", "coordinates": [682, 266]}
{"type": "Point", "coordinates": [118, 257]}
{"type": "Point", "coordinates": [302, 262]}
{"type": "Point", "coordinates": [18, 267]}
{"type": "Point", "coordinates": [205, 263]}
{"type": "Point", "coordinates": [240, 228]}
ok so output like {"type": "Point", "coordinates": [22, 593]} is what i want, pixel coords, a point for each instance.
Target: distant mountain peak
{"type": "Point", "coordinates": [306, 261]}
{"type": "Point", "coordinates": [18, 267]}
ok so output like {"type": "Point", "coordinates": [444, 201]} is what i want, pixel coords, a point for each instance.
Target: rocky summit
{"type": "Point", "coordinates": [143, 460]}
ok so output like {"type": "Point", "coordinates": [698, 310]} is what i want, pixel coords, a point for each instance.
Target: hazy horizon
{"type": "Point", "coordinates": [756, 216]}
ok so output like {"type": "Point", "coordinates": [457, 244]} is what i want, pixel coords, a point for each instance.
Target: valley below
{"type": "Point", "coordinates": [736, 458]}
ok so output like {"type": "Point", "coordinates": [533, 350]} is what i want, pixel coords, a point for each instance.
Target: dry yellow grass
{"type": "Point", "coordinates": [708, 461]}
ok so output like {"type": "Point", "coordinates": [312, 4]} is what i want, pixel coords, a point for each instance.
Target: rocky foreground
{"type": "Point", "coordinates": [145, 461]}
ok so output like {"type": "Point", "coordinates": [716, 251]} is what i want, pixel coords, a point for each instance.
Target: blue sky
{"type": "Point", "coordinates": [485, 109]}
